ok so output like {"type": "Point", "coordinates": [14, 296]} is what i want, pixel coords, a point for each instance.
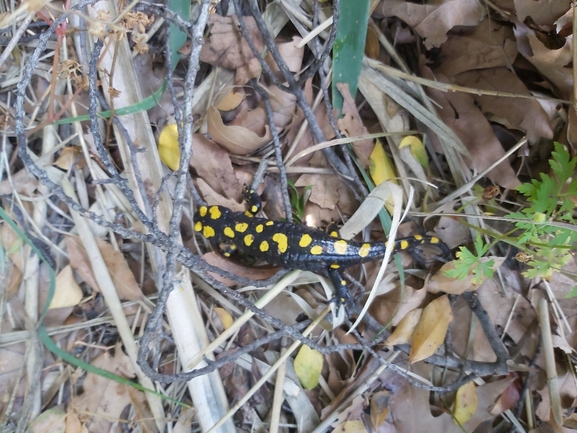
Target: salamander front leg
{"type": "Point", "coordinates": [342, 295]}
{"type": "Point", "coordinates": [225, 249]}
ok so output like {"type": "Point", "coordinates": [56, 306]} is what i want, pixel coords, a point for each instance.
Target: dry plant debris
{"type": "Point", "coordinates": [116, 316]}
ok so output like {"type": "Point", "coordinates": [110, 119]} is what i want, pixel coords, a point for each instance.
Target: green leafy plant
{"type": "Point", "coordinates": [298, 202]}
{"type": "Point", "coordinates": [469, 263]}
{"type": "Point", "coordinates": [545, 229]}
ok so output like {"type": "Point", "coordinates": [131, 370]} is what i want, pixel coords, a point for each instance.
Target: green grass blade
{"type": "Point", "coordinates": [349, 47]}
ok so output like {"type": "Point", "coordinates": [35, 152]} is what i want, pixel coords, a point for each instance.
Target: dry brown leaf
{"type": "Point", "coordinates": [213, 164]}
{"type": "Point", "coordinates": [526, 115]}
{"type": "Point", "coordinates": [488, 45]}
{"type": "Point", "coordinates": [433, 20]}
{"type": "Point", "coordinates": [440, 283]}
{"type": "Point", "coordinates": [256, 273]}
{"type": "Point", "coordinates": [67, 292]}
{"type": "Point", "coordinates": [542, 12]}
{"type": "Point", "coordinates": [411, 410]}
{"type": "Point", "coordinates": [212, 197]}
{"type": "Point", "coordinates": [352, 125]}
{"type": "Point", "coordinates": [52, 420]}
{"type": "Point", "coordinates": [236, 139]}
{"type": "Point", "coordinates": [499, 306]}
{"type": "Point", "coordinates": [123, 278]}
{"type": "Point", "coordinates": [553, 64]}
{"type": "Point", "coordinates": [404, 331]}
{"type": "Point", "coordinates": [103, 398]}
{"type": "Point", "coordinates": [396, 304]}
{"type": "Point", "coordinates": [431, 329]}
{"type": "Point", "coordinates": [328, 192]}
{"type": "Point", "coordinates": [487, 394]}
{"type": "Point", "coordinates": [22, 182]}
{"type": "Point", "coordinates": [227, 48]}
{"type": "Point", "coordinates": [567, 391]}
{"type": "Point", "coordinates": [459, 112]}
{"type": "Point", "coordinates": [13, 245]}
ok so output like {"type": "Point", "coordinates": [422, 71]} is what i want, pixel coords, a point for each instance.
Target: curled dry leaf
{"type": "Point", "coordinates": [440, 283]}
{"type": "Point", "coordinates": [227, 48]}
{"type": "Point", "coordinates": [404, 331]}
{"type": "Point", "coordinates": [236, 139]}
{"type": "Point", "coordinates": [431, 329]}
{"type": "Point", "coordinates": [225, 317]}
{"type": "Point", "coordinates": [67, 292]}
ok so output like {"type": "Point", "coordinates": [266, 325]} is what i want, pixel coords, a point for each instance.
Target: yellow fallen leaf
{"type": "Point", "coordinates": [351, 427]}
{"type": "Point", "coordinates": [431, 329]}
{"type": "Point", "coordinates": [168, 147]}
{"type": "Point", "coordinates": [465, 403]}
{"type": "Point", "coordinates": [380, 408]}
{"type": "Point", "coordinates": [308, 365]}
{"type": "Point", "coordinates": [224, 317]}
{"type": "Point", "coordinates": [417, 149]}
{"type": "Point", "coordinates": [67, 292]}
{"type": "Point", "coordinates": [70, 156]}
{"type": "Point", "coordinates": [381, 169]}
{"type": "Point", "coordinates": [404, 331]}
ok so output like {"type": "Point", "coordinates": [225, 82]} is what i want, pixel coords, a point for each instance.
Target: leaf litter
{"type": "Point", "coordinates": [472, 79]}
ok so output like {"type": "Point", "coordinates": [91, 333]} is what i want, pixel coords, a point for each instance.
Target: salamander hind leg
{"type": "Point", "coordinates": [342, 295]}
{"type": "Point", "coordinates": [412, 244]}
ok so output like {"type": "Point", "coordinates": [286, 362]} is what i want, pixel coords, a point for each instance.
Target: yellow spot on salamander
{"type": "Point", "coordinates": [197, 226]}
{"type": "Point", "coordinates": [404, 244]}
{"type": "Point", "coordinates": [208, 232]}
{"type": "Point", "coordinates": [215, 212]}
{"type": "Point", "coordinates": [263, 246]}
{"type": "Point", "coordinates": [335, 266]}
{"type": "Point", "coordinates": [254, 209]}
{"type": "Point", "coordinates": [418, 237]}
{"type": "Point", "coordinates": [340, 246]}
{"type": "Point", "coordinates": [269, 223]}
{"type": "Point", "coordinates": [248, 214]}
{"type": "Point", "coordinates": [305, 241]}
{"type": "Point", "coordinates": [248, 240]}
{"type": "Point", "coordinates": [343, 283]}
{"type": "Point", "coordinates": [259, 228]}
{"type": "Point", "coordinates": [334, 234]}
{"type": "Point", "coordinates": [364, 250]}
{"type": "Point", "coordinates": [228, 232]}
{"type": "Point", "coordinates": [316, 250]}
{"type": "Point", "coordinates": [282, 241]}
{"type": "Point", "coordinates": [241, 227]}
{"type": "Point", "coordinates": [434, 240]}
{"type": "Point", "coordinates": [202, 211]}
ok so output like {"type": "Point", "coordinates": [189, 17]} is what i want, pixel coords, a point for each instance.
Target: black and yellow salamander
{"type": "Point", "coordinates": [295, 246]}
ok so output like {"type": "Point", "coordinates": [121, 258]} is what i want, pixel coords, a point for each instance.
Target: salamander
{"type": "Point", "coordinates": [295, 246]}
